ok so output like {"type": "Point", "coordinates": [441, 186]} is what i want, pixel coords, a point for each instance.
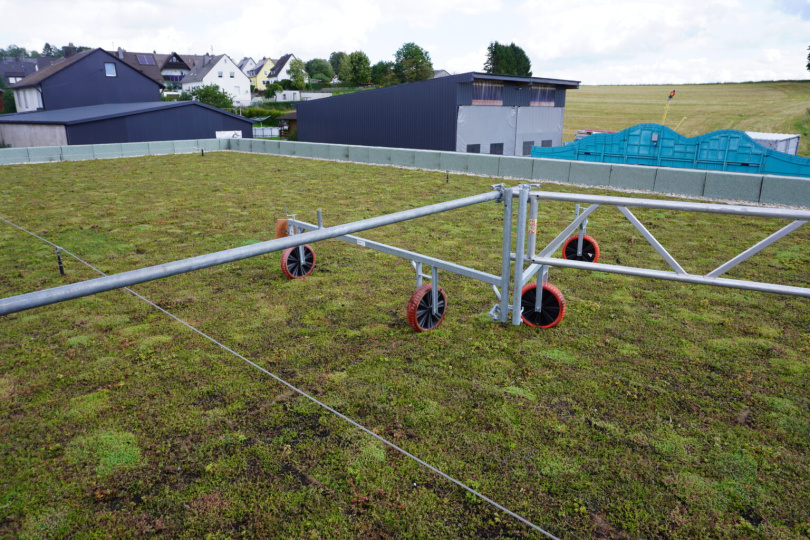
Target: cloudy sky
{"type": "Point", "coordinates": [593, 41]}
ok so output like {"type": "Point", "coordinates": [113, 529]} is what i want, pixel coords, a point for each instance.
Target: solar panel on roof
{"type": "Point", "coordinates": [146, 60]}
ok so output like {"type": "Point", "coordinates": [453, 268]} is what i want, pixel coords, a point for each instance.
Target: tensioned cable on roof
{"type": "Point", "coordinates": [301, 392]}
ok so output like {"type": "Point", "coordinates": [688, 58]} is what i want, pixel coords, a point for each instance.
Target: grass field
{"type": "Point", "coordinates": [654, 410]}
{"type": "Point", "coordinates": [776, 107]}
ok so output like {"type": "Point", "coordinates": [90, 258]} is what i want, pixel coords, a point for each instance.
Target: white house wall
{"type": "Point", "coordinates": [27, 99]}
{"type": "Point", "coordinates": [28, 135]}
{"type": "Point", "coordinates": [237, 86]}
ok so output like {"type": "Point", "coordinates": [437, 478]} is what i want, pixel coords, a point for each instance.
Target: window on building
{"type": "Point", "coordinates": [527, 147]}
{"type": "Point", "coordinates": [109, 69]}
{"type": "Point", "coordinates": [542, 96]}
{"type": "Point", "coordinates": [546, 143]}
{"type": "Point", "coordinates": [232, 74]}
{"type": "Point", "coordinates": [473, 148]}
{"type": "Point", "coordinates": [496, 148]}
{"type": "Point", "coordinates": [487, 93]}
{"type": "Point", "coordinates": [219, 74]}
{"type": "Point", "coordinates": [13, 80]}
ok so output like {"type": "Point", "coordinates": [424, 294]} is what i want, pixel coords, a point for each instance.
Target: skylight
{"type": "Point", "coordinates": [146, 60]}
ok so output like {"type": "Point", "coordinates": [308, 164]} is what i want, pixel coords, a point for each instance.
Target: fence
{"type": "Point", "coordinates": [756, 188]}
{"type": "Point", "coordinates": [259, 132]}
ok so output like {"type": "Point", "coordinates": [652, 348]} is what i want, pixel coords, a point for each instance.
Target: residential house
{"type": "Point", "coordinates": [220, 70]}
{"type": "Point", "coordinates": [167, 69]}
{"type": "Point", "coordinates": [246, 64]}
{"type": "Point", "coordinates": [260, 74]}
{"type": "Point", "coordinates": [280, 67]}
{"type": "Point", "coordinates": [91, 77]}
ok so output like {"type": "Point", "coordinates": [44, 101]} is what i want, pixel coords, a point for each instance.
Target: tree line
{"type": "Point", "coordinates": [48, 51]}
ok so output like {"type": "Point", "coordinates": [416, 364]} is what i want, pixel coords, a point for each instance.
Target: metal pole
{"type": "Point", "coordinates": [125, 279]}
{"type": "Point", "coordinates": [784, 213]}
{"type": "Point", "coordinates": [506, 255]}
{"type": "Point", "coordinates": [520, 246]}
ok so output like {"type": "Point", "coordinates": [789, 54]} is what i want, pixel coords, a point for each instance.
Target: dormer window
{"type": "Point", "coordinates": [109, 69]}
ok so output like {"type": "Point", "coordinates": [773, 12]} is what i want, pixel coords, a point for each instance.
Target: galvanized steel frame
{"type": "Point", "coordinates": [527, 263]}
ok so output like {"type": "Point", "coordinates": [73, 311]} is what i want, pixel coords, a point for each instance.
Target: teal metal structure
{"type": "Point", "coordinates": [653, 144]}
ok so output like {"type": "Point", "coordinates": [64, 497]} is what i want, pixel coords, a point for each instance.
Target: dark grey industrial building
{"type": "Point", "coordinates": [120, 123]}
{"type": "Point", "coordinates": [470, 112]}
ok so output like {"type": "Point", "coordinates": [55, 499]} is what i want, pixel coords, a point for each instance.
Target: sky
{"type": "Point", "coordinates": [594, 41]}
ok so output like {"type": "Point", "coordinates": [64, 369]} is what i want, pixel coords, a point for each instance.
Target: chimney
{"type": "Point", "coordinates": [69, 50]}
{"type": "Point", "coordinates": [120, 53]}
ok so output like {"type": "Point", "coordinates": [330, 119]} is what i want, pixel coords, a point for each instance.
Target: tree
{"type": "Point", "coordinates": [336, 60]}
{"type": "Point", "coordinates": [8, 99]}
{"type": "Point", "coordinates": [357, 69]}
{"type": "Point", "coordinates": [382, 73]}
{"type": "Point", "coordinates": [507, 60]}
{"type": "Point", "coordinates": [320, 69]}
{"type": "Point", "coordinates": [210, 95]}
{"type": "Point", "coordinates": [52, 52]}
{"type": "Point", "coordinates": [298, 74]}
{"type": "Point", "coordinates": [272, 89]}
{"type": "Point", "coordinates": [13, 51]}
{"type": "Point", "coordinates": [412, 63]}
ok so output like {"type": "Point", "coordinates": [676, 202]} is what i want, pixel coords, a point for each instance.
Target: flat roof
{"type": "Point", "coordinates": [91, 113]}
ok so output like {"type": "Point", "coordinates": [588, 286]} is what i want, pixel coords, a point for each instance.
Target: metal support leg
{"type": "Point", "coordinates": [503, 314]}
{"type": "Point", "coordinates": [520, 247]}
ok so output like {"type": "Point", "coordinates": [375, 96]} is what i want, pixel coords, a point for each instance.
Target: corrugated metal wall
{"type": "Point", "coordinates": [416, 115]}
{"type": "Point", "coordinates": [178, 123]}
{"type": "Point", "coordinates": [85, 83]}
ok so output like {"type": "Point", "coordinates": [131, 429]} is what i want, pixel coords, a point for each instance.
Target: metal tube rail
{"type": "Point", "coordinates": [22, 302]}
{"type": "Point", "coordinates": [672, 276]}
{"type": "Point", "coordinates": [410, 255]}
{"type": "Point", "coordinates": [784, 213]}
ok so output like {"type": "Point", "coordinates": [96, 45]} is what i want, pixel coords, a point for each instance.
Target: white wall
{"type": "Point", "coordinates": [237, 86]}
{"type": "Point", "coordinates": [27, 99]}
{"type": "Point", "coordinates": [28, 135]}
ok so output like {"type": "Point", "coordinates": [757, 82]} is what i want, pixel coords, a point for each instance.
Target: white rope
{"type": "Point", "coordinates": [301, 392]}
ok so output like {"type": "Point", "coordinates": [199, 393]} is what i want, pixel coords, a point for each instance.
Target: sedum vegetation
{"type": "Point", "coordinates": [654, 410]}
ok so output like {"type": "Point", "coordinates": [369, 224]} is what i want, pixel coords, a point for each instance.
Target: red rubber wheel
{"type": "Point", "coordinates": [590, 249]}
{"type": "Point", "coordinates": [552, 306]}
{"type": "Point", "coordinates": [293, 266]}
{"type": "Point", "coordinates": [420, 309]}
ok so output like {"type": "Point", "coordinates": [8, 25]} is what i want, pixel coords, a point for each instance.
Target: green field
{"type": "Point", "coordinates": [654, 410]}
{"type": "Point", "coordinates": [775, 107]}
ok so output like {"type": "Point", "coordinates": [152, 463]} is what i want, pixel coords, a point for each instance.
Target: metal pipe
{"type": "Point", "coordinates": [672, 276]}
{"type": "Point", "coordinates": [652, 240]}
{"type": "Point", "coordinates": [783, 213]}
{"type": "Point", "coordinates": [750, 252]}
{"type": "Point", "coordinates": [125, 279]}
{"type": "Point", "coordinates": [520, 246]}
{"type": "Point", "coordinates": [506, 248]}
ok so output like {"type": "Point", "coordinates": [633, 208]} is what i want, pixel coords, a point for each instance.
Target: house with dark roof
{"type": "Point", "coordinates": [246, 64]}
{"type": "Point", "coordinates": [280, 67]}
{"type": "Point", "coordinates": [120, 123]}
{"type": "Point", "coordinates": [223, 72]}
{"type": "Point", "coordinates": [91, 77]}
{"type": "Point", "coordinates": [167, 69]}
{"type": "Point", "coordinates": [469, 112]}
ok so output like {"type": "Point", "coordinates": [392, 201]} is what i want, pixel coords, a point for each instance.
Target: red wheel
{"type": "Point", "coordinates": [420, 309]}
{"type": "Point", "coordinates": [590, 249]}
{"type": "Point", "coordinates": [552, 306]}
{"type": "Point", "coordinates": [296, 267]}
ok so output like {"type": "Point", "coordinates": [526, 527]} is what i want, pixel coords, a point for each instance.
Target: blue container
{"type": "Point", "coordinates": [659, 146]}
